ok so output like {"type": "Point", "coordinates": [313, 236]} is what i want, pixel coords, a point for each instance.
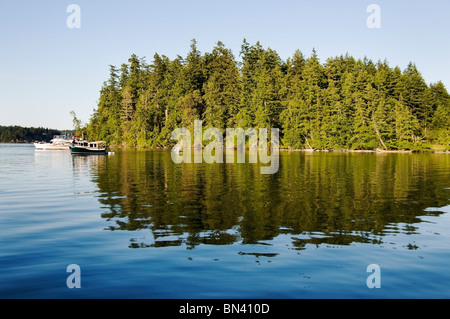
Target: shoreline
{"type": "Point", "coordinates": [376, 151]}
{"type": "Point", "coordinates": [305, 150]}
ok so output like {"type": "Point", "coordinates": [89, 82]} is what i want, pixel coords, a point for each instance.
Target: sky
{"type": "Point", "coordinates": [54, 60]}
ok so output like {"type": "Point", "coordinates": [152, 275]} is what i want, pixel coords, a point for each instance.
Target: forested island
{"type": "Point", "coordinates": [342, 104]}
{"type": "Point", "coordinates": [19, 134]}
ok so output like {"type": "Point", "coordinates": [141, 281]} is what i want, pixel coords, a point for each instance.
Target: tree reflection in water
{"type": "Point", "coordinates": [315, 198]}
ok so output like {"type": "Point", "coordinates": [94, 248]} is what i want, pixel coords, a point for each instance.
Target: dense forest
{"type": "Point", "coordinates": [343, 103]}
{"type": "Point", "coordinates": [18, 134]}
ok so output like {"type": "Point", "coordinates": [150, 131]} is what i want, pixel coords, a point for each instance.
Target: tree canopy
{"type": "Point", "coordinates": [341, 103]}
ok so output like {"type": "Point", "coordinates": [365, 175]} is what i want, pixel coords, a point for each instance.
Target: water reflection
{"type": "Point", "coordinates": [317, 198]}
{"type": "Point", "coordinates": [80, 161]}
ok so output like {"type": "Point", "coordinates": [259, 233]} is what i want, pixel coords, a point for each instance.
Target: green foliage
{"type": "Point", "coordinates": [221, 90]}
{"type": "Point", "coordinates": [19, 134]}
{"type": "Point", "coordinates": [342, 104]}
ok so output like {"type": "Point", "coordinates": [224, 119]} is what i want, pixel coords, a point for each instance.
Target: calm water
{"type": "Point", "coordinates": [140, 226]}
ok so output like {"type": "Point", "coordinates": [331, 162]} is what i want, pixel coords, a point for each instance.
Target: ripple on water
{"type": "Point", "coordinates": [140, 226]}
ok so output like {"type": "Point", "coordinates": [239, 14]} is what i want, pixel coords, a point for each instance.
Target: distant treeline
{"type": "Point", "coordinates": [343, 103]}
{"type": "Point", "coordinates": [18, 134]}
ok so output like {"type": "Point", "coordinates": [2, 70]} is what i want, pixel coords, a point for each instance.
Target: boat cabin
{"type": "Point", "coordinates": [96, 145]}
{"type": "Point", "coordinates": [92, 145]}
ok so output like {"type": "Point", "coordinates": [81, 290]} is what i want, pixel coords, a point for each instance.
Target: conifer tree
{"type": "Point", "coordinates": [313, 82]}
{"type": "Point", "coordinates": [221, 89]}
{"type": "Point", "coordinates": [251, 56]}
{"type": "Point", "coordinates": [294, 114]}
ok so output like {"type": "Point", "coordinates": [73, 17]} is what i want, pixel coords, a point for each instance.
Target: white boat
{"type": "Point", "coordinates": [59, 142]}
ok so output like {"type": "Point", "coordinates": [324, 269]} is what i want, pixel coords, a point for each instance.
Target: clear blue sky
{"type": "Point", "coordinates": [48, 69]}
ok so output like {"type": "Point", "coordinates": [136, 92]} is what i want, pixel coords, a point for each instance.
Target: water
{"type": "Point", "coordinates": [140, 226]}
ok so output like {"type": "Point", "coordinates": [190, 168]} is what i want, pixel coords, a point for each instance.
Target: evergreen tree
{"type": "Point", "coordinates": [267, 99]}
{"type": "Point", "coordinates": [407, 126]}
{"type": "Point", "coordinates": [313, 82]}
{"type": "Point", "coordinates": [441, 117]}
{"type": "Point", "coordinates": [221, 89]}
{"type": "Point", "coordinates": [251, 56]}
{"type": "Point", "coordinates": [416, 97]}
{"type": "Point", "coordinates": [293, 116]}
{"type": "Point", "coordinates": [363, 136]}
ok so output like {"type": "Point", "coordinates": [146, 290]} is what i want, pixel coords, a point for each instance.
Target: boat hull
{"type": "Point", "coordinates": [49, 146]}
{"type": "Point", "coordinates": [88, 151]}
